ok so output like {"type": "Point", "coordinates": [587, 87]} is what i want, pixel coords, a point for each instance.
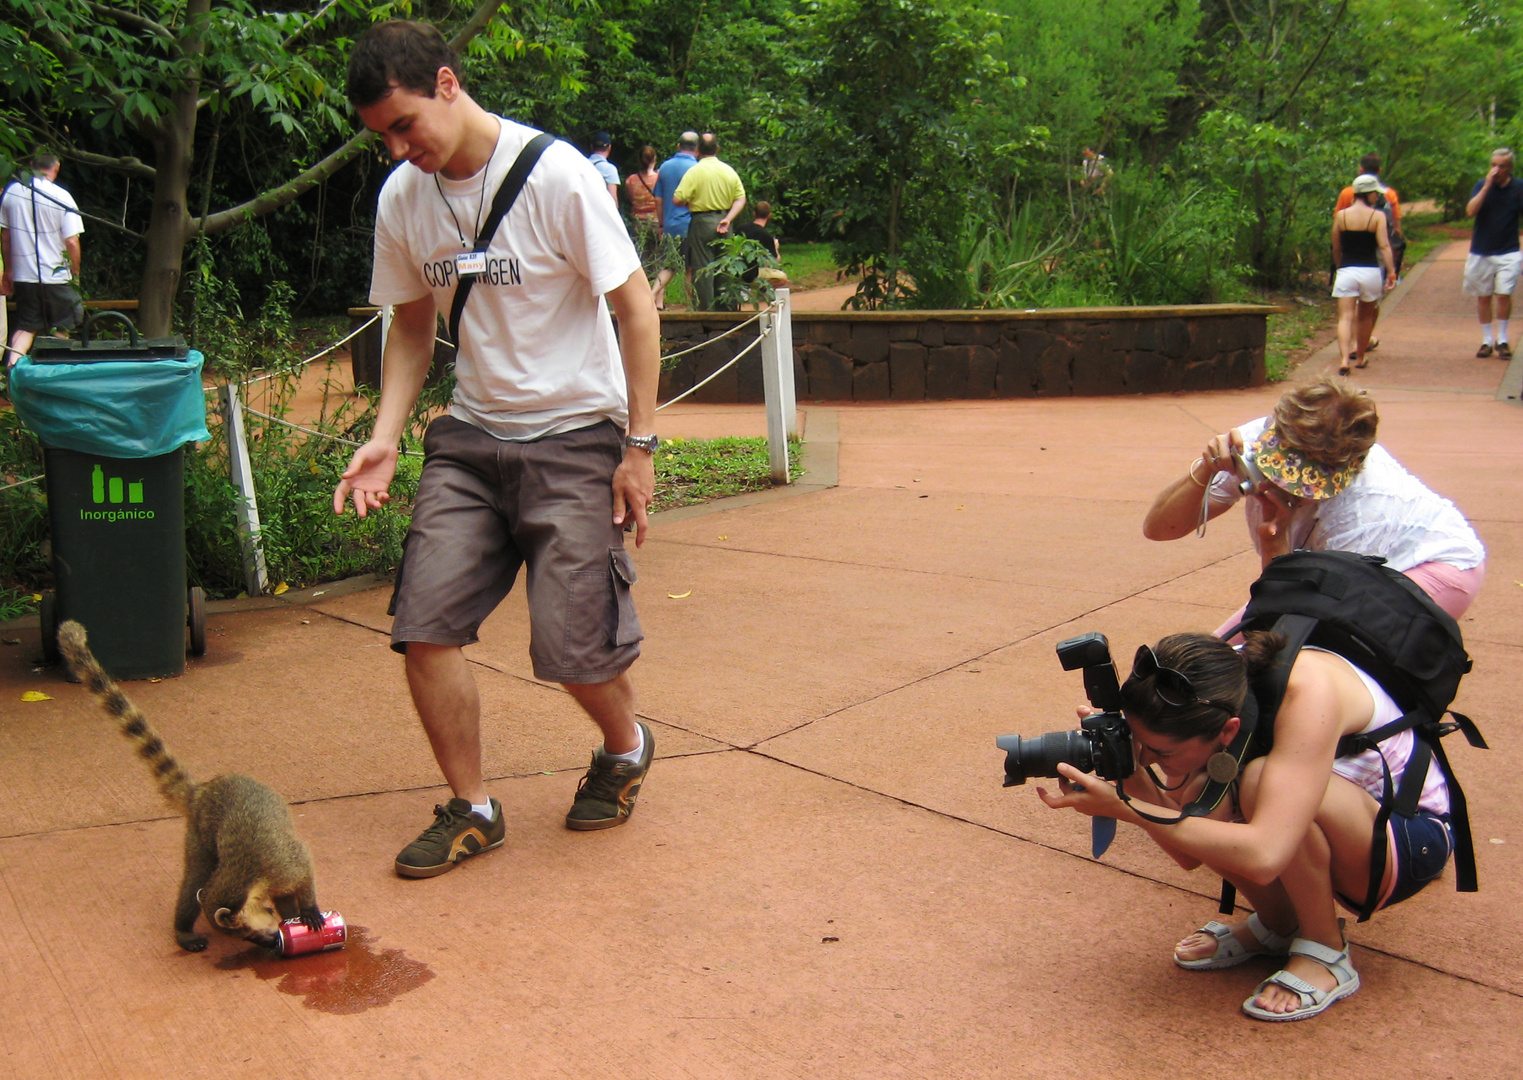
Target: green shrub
{"type": "Point", "coordinates": [23, 518]}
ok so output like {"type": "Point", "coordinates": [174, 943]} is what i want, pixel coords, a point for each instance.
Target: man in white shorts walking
{"type": "Point", "coordinates": [1494, 261]}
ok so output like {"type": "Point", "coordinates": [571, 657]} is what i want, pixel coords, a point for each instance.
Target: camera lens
{"type": "Point", "coordinates": [1041, 755]}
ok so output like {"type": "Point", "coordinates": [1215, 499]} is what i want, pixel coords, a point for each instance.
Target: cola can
{"type": "Point", "coordinates": [296, 939]}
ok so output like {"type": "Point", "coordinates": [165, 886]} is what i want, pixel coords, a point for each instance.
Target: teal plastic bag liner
{"type": "Point", "coordinates": [114, 408]}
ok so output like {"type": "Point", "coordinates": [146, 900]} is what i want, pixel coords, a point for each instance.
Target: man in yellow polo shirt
{"type": "Point", "coordinates": [712, 191]}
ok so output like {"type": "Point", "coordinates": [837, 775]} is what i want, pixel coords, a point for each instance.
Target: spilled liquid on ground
{"type": "Point", "coordinates": [348, 980]}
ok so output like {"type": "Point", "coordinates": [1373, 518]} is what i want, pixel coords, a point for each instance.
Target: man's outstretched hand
{"type": "Point", "coordinates": [365, 481]}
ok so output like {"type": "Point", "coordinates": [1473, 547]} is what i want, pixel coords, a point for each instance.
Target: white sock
{"type": "Point", "coordinates": [1486, 333]}
{"type": "Point", "coordinates": [1501, 333]}
{"type": "Point", "coordinates": [484, 809]}
{"type": "Point", "coordinates": [633, 757]}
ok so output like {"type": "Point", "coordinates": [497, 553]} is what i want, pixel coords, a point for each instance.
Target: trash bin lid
{"type": "Point", "coordinates": [85, 350]}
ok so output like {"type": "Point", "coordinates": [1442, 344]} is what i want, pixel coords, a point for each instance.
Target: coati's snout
{"type": "Point", "coordinates": [257, 920]}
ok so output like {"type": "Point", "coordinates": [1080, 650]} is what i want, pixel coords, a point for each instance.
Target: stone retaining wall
{"type": "Point", "coordinates": [938, 355]}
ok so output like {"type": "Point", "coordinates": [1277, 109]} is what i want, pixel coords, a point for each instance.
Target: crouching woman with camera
{"type": "Point", "coordinates": [1299, 838]}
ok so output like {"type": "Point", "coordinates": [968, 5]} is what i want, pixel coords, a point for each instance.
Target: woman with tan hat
{"type": "Point", "coordinates": [1361, 250]}
{"type": "Point", "coordinates": [1318, 480]}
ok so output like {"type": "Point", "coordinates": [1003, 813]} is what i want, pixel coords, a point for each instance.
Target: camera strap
{"type": "Point", "coordinates": [1222, 770]}
{"type": "Point", "coordinates": [502, 202]}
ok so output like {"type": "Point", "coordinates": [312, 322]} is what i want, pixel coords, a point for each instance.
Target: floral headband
{"type": "Point", "coordinates": [1292, 471]}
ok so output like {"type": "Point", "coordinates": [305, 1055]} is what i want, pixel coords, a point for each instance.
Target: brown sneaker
{"type": "Point", "coordinates": [1504, 351]}
{"type": "Point", "coordinates": [1483, 352]}
{"type": "Point", "coordinates": [458, 832]}
{"type": "Point", "coordinates": [606, 795]}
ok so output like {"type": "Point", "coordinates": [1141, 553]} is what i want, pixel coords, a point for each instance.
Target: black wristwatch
{"type": "Point", "coordinates": [648, 443]}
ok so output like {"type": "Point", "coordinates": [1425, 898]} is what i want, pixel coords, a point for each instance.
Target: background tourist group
{"type": "Point", "coordinates": [681, 211]}
{"type": "Point", "coordinates": [1368, 246]}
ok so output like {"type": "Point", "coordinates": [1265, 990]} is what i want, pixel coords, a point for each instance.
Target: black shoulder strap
{"type": "Point", "coordinates": [502, 202]}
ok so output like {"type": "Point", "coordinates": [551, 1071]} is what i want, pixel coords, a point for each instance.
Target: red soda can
{"type": "Point", "coordinates": [297, 940]}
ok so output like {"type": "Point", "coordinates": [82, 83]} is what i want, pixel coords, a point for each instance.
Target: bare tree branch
{"type": "Point", "coordinates": [133, 21]}
{"type": "Point", "coordinates": [130, 165]}
{"type": "Point", "coordinates": [311, 22]}
{"type": "Point", "coordinates": [475, 24]}
{"type": "Point", "coordinates": [1294, 90]}
{"type": "Point", "coordinates": [269, 201]}
{"type": "Point", "coordinates": [275, 198]}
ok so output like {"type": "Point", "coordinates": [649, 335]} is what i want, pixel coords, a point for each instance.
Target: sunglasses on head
{"type": "Point", "coordinates": [1172, 687]}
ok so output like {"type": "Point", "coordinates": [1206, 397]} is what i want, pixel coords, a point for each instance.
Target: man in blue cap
{"type": "Point", "coordinates": [602, 144]}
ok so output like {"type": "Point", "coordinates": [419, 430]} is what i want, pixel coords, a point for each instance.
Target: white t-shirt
{"type": "Point", "coordinates": [537, 349]}
{"type": "Point", "coordinates": [1385, 511]}
{"type": "Point", "coordinates": [57, 219]}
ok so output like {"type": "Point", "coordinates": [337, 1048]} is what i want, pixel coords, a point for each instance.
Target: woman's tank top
{"type": "Point", "coordinates": [1364, 769]}
{"type": "Point", "coordinates": [1361, 247]}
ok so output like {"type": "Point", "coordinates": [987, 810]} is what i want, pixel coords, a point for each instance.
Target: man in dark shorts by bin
{"type": "Point", "coordinates": [546, 454]}
{"type": "Point", "coordinates": [40, 227]}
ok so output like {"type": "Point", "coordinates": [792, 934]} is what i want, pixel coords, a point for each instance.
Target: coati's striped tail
{"type": "Point", "coordinates": [175, 785]}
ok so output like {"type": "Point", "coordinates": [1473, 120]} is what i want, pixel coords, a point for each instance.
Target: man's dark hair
{"type": "Point", "coordinates": [762, 209]}
{"type": "Point", "coordinates": [43, 162]}
{"type": "Point", "coordinates": [708, 145]}
{"type": "Point", "coordinates": [397, 53]}
{"type": "Point", "coordinates": [1370, 163]}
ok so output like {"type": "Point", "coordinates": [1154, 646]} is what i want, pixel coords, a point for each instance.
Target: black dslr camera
{"type": "Point", "coordinates": [1103, 743]}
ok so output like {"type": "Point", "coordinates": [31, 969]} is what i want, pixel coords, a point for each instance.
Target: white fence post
{"type": "Point", "coordinates": [256, 576]}
{"type": "Point", "coordinates": [777, 381]}
{"type": "Point", "coordinates": [785, 353]}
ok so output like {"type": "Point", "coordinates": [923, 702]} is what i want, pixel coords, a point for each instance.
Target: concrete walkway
{"type": "Point", "coordinates": [824, 877]}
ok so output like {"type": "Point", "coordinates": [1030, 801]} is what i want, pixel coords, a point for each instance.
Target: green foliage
{"type": "Point", "coordinates": [914, 134]}
{"type": "Point", "coordinates": [232, 341]}
{"type": "Point", "coordinates": [1168, 243]}
{"type": "Point", "coordinates": [23, 517]}
{"type": "Point", "coordinates": [1289, 331]}
{"type": "Point", "coordinates": [887, 81]}
{"type": "Point", "coordinates": [737, 255]}
{"type": "Point", "coordinates": [697, 470]}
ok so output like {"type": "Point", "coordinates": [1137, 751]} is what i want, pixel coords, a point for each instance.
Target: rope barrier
{"type": "Point", "coordinates": [315, 356]}
{"type": "Point", "coordinates": [413, 453]}
{"type": "Point", "coordinates": [440, 341]}
{"type": "Point", "coordinates": [319, 434]}
{"type": "Point", "coordinates": [21, 483]}
{"type": "Point", "coordinates": [719, 370]}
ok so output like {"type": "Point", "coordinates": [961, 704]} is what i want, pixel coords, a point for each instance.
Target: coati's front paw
{"type": "Point", "coordinates": [312, 918]}
{"type": "Point", "coordinates": [190, 942]}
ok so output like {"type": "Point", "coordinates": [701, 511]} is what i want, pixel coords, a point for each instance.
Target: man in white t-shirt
{"type": "Point", "coordinates": [546, 456]}
{"type": "Point", "coordinates": [40, 226]}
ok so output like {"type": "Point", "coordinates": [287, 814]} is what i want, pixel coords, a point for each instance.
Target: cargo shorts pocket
{"type": "Point", "coordinates": [627, 624]}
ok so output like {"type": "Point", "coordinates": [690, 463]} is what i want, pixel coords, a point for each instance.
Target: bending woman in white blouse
{"type": "Point", "coordinates": [1324, 483]}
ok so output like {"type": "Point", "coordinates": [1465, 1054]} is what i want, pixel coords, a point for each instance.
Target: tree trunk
{"type": "Point", "coordinates": [170, 225]}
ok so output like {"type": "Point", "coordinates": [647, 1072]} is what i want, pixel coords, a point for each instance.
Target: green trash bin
{"type": "Point", "coordinates": [113, 417]}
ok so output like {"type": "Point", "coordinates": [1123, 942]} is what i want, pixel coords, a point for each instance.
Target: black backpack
{"type": "Point", "coordinates": [1397, 240]}
{"type": "Point", "coordinates": [1383, 623]}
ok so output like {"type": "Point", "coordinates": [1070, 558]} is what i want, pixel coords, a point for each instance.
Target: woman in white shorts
{"type": "Point", "coordinates": [1366, 270]}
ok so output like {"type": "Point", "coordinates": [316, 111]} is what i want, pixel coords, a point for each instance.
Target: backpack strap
{"type": "Point", "coordinates": [1426, 747]}
{"type": "Point", "coordinates": [502, 202]}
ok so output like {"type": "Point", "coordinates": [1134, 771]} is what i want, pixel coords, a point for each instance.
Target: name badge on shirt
{"type": "Point", "coordinates": [471, 262]}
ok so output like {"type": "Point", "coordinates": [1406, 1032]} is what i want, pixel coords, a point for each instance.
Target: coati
{"type": "Point", "coordinates": [245, 867]}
